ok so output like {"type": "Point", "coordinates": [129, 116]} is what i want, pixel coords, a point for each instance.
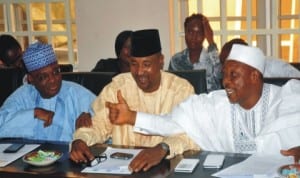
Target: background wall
{"type": "Point", "coordinates": [100, 21]}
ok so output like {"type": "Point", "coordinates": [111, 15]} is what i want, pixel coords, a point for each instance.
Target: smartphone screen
{"type": "Point", "coordinates": [120, 155]}
{"type": "Point", "coordinates": [13, 148]}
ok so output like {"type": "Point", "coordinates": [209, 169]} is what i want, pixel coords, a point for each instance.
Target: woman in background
{"type": "Point", "coordinates": [122, 50]}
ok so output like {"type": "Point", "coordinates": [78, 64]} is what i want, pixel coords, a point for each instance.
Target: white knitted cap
{"type": "Point", "coordinates": [249, 55]}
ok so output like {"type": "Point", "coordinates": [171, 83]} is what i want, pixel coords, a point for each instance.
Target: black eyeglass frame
{"type": "Point", "coordinates": [98, 159]}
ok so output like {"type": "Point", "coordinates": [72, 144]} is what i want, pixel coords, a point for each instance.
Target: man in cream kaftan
{"type": "Point", "coordinates": [172, 91]}
{"type": "Point", "coordinates": [145, 88]}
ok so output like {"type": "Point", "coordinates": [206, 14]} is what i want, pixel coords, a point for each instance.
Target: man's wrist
{"type": "Point", "coordinates": [34, 113]}
{"type": "Point", "coordinates": [165, 147]}
{"type": "Point", "coordinates": [133, 117]}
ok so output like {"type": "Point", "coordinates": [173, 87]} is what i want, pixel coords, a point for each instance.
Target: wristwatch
{"type": "Point", "coordinates": [165, 147]}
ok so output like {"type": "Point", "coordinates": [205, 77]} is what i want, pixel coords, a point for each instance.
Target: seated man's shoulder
{"type": "Point", "coordinates": [171, 76]}
{"type": "Point", "coordinates": [107, 65]}
{"type": "Point", "coordinates": [122, 79]}
{"type": "Point", "coordinates": [70, 84]}
{"type": "Point", "coordinates": [173, 79]}
{"type": "Point", "coordinates": [293, 85]}
{"type": "Point", "coordinates": [179, 55]}
{"type": "Point", "coordinates": [109, 61]}
{"type": "Point", "coordinates": [273, 65]}
{"type": "Point", "coordinates": [25, 89]}
{"type": "Point", "coordinates": [180, 61]}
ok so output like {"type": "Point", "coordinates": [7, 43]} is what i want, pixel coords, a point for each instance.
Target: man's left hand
{"type": "Point", "coordinates": [147, 158]}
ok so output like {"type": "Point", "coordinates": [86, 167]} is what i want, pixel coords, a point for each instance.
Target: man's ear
{"type": "Point", "coordinates": [161, 61]}
{"type": "Point", "coordinates": [29, 78]}
{"type": "Point", "coordinates": [255, 75]}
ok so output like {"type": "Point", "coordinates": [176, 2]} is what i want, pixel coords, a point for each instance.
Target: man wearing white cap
{"type": "Point", "coordinates": [47, 108]}
{"type": "Point", "coordinates": [247, 117]}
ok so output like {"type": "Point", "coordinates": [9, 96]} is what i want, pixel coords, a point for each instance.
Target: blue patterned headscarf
{"type": "Point", "coordinates": [38, 55]}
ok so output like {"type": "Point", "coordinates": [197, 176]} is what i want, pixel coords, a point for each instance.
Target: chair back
{"type": "Point", "coordinates": [66, 67]}
{"type": "Point", "coordinates": [94, 81]}
{"type": "Point", "coordinates": [10, 80]}
{"type": "Point", "coordinates": [197, 78]}
{"type": "Point", "coordinates": [296, 65]}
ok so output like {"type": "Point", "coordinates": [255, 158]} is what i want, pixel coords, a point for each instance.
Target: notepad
{"type": "Point", "coordinates": [186, 165]}
{"type": "Point", "coordinates": [213, 161]}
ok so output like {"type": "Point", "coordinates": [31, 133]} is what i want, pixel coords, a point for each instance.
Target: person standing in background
{"type": "Point", "coordinates": [10, 52]}
{"type": "Point", "coordinates": [122, 50]}
{"type": "Point", "coordinates": [195, 56]}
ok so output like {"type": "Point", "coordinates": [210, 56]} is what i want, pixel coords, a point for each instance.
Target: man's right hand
{"type": "Point", "coordinates": [208, 32]}
{"type": "Point", "coordinates": [84, 120]}
{"type": "Point", "coordinates": [80, 152]}
{"type": "Point", "coordinates": [44, 115]}
{"type": "Point", "coordinates": [119, 113]}
{"type": "Point", "coordinates": [295, 151]}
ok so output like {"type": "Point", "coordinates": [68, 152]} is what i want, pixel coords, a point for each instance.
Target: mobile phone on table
{"type": "Point", "coordinates": [13, 148]}
{"type": "Point", "coordinates": [120, 155]}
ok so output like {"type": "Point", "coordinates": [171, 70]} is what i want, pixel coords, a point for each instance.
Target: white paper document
{"type": "Point", "coordinates": [111, 165]}
{"type": "Point", "coordinates": [256, 166]}
{"type": "Point", "coordinates": [6, 158]}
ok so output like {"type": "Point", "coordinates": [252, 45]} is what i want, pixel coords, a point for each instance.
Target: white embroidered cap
{"type": "Point", "coordinates": [249, 55]}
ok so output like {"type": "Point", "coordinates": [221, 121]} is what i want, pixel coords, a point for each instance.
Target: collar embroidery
{"type": "Point", "coordinates": [246, 124]}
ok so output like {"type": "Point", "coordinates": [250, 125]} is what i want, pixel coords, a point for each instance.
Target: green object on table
{"type": "Point", "coordinates": [43, 155]}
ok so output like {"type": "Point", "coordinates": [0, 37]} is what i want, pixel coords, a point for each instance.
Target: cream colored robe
{"type": "Point", "coordinates": [171, 92]}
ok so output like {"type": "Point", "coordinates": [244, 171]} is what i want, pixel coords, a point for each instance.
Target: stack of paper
{"type": "Point", "coordinates": [111, 165]}
{"type": "Point", "coordinates": [256, 166]}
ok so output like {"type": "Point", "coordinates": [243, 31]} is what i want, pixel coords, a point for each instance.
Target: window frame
{"type": "Point", "coordinates": [11, 22]}
{"type": "Point", "coordinates": [267, 30]}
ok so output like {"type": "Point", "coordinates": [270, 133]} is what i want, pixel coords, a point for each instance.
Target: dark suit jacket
{"type": "Point", "coordinates": [107, 65]}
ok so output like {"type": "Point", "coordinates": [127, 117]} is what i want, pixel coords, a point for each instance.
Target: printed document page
{"type": "Point", "coordinates": [112, 165]}
{"type": "Point", "coordinates": [256, 166]}
{"type": "Point", "coordinates": [6, 158]}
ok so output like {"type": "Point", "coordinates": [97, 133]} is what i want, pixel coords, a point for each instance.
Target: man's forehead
{"type": "Point", "coordinates": [46, 69]}
{"type": "Point", "coordinates": [195, 22]}
{"type": "Point", "coordinates": [251, 56]}
{"type": "Point", "coordinates": [195, 26]}
{"type": "Point", "coordinates": [146, 58]}
{"type": "Point", "coordinates": [232, 65]}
